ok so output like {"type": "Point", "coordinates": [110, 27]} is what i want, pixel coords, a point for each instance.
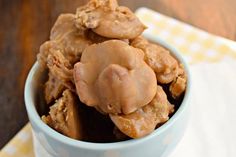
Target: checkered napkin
{"type": "Point", "coordinates": [212, 125]}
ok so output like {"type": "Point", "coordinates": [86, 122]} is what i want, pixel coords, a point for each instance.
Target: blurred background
{"type": "Point", "coordinates": [25, 25]}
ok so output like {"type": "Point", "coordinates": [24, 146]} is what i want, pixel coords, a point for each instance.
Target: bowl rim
{"type": "Point", "coordinates": [35, 118]}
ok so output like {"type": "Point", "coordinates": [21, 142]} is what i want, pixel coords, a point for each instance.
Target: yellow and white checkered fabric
{"type": "Point", "coordinates": [21, 145]}
{"type": "Point", "coordinates": [194, 44]}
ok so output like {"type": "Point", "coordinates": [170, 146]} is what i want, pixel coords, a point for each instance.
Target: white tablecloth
{"type": "Point", "coordinates": [212, 125]}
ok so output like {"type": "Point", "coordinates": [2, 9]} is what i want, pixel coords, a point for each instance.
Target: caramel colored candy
{"type": "Point", "coordinates": [143, 121]}
{"type": "Point", "coordinates": [113, 77]}
{"type": "Point", "coordinates": [63, 116]}
{"type": "Point", "coordinates": [108, 19]}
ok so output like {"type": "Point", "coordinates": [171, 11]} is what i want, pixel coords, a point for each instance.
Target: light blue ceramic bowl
{"type": "Point", "coordinates": [160, 143]}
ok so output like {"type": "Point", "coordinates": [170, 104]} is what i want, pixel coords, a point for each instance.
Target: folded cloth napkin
{"type": "Point", "coordinates": [212, 126]}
